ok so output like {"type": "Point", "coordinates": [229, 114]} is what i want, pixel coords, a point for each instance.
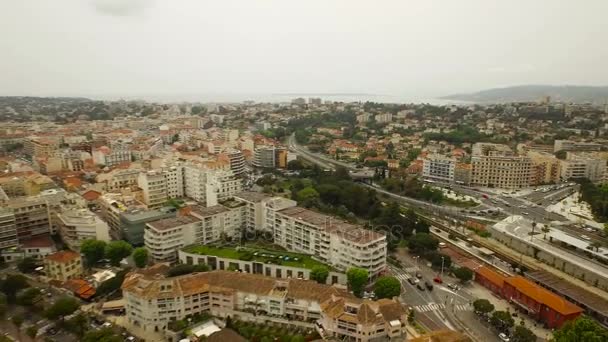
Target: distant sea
{"type": "Point", "coordinates": [283, 98]}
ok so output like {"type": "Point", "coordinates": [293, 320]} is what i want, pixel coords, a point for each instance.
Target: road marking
{"type": "Point", "coordinates": [435, 307]}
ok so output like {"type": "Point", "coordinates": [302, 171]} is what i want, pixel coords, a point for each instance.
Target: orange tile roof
{"type": "Point", "coordinates": [80, 287]}
{"type": "Point", "coordinates": [491, 275]}
{"type": "Point", "coordinates": [542, 295]}
{"type": "Point", "coordinates": [91, 195]}
{"type": "Point", "coordinates": [63, 256]}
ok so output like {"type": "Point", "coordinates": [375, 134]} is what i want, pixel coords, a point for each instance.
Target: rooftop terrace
{"type": "Point", "coordinates": [254, 253]}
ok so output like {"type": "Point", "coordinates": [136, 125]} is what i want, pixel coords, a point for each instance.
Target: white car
{"type": "Point", "coordinates": [503, 337]}
{"type": "Point", "coordinates": [586, 237]}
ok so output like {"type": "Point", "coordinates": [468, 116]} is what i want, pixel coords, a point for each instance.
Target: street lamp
{"type": "Point", "coordinates": [442, 259]}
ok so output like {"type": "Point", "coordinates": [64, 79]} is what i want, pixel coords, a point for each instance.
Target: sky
{"type": "Point", "coordinates": [423, 48]}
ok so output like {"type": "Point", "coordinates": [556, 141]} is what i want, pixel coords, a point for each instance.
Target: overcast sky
{"type": "Point", "coordinates": [405, 48]}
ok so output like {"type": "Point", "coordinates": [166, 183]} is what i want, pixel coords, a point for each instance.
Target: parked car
{"type": "Point", "coordinates": [428, 285]}
{"type": "Point", "coordinates": [412, 280]}
{"type": "Point", "coordinates": [504, 337]}
{"type": "Point", "coordinates": [438, 280]}
{"type": "Point", "coordinates": [420, 287]}
{"type": "Point", "coordinates": [418, 275]}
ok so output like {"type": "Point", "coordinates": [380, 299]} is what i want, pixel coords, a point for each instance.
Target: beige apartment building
{"type": "Point", "coordinates": [63, 265]}
{"type": "Point", "coordinates": [546, 167]}
{"type": "Point", "coordinates": [496, 166]}
{"type": "Point", "coordinates": [152, 302]}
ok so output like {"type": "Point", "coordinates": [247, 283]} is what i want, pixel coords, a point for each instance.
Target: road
{"type": "Point", "coordinates": [442, 307]}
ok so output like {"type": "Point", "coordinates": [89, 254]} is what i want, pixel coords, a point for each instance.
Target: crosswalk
{"type": "Point", "coordinates": [434, 307]}
{"type": "Point", "coordinates": [402, 276]}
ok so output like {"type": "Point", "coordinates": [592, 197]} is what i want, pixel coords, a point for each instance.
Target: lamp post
{"type": "Point", "coordinates": [442, 259]}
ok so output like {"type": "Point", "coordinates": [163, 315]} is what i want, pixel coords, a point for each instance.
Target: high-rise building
{"type": "Point", "coordinates": [439, 168]}
{"type": "Point", "coordinates": [495, 165]}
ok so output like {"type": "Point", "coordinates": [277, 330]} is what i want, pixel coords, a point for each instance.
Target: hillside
{"type": "Point", "coordinates": [528, 93]}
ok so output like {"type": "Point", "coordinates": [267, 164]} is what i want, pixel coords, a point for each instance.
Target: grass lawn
{"type": "Point", "coordinates": [253, 253]}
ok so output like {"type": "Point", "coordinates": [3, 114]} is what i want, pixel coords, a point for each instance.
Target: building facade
{"type": "Point", "coordinates": [63, 265]}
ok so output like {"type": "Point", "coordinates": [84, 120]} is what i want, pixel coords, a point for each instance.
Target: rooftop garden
{"type": "Point", "coordinates": [255, 253]}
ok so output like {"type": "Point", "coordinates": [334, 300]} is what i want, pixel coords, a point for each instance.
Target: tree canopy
{"type": "Point", "coordinates": [319, 274]}
{"type": "Point", "coordinates": [63, 306]}
{"type": "Point", "coordinates": [387, 287]}
{"type": "Point", "coordinates": [93, 250]}
{"type": "Point", "coordinates": [583, 329]}
{"type": "Point", "coordinates": [483, 305]}
{"type": "Point", "coordinates": [118, 250]}
{"type": "Point", "coordinates": [357, 279]}
{"type": "Point", "coordinates": [140, 256]}
{"type": "Point", "coordinates": [463, 273]}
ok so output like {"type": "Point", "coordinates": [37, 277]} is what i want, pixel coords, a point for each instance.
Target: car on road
{"type": "Point", "coordinates": [453, 286]}
{"type": "Point", "coordinates": [412, 280]}
{"type": "Point", "coordinates": [503, 337]}
{"type": "Point", "coordinates": [418, 275]}
{"type": "Point", "coordinates": [485, 196]}
{"type": "Point", "coordinates": [420, 286]}
{"type": "Point", "coordinates": [525, 213]}
{"type": "Point", "coordinates": [428, 285]}
{"type": "Point", "coordinates": [438, 280]}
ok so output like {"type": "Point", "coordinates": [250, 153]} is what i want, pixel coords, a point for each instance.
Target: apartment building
{"type": "Point", "coordinates": [32, 216]}
{"type": "Point", "coordinates": [63, 265]}
{"type": "Point", "coordinates": [569, 145]}
{"type": "Point", "coordinates": [439, 168]}
{"type": "Point", "coordinates": [154, 188]}
{"type": "Point", "coordinates": [127, 217]}
{"type": "Point", "coordinates": [384, 118]}
{"type": "Point", "coordinates": [116, 180]}
{"type": "Point", "coordinates": [265, 157]}
{"type": "Point", "coordinates": [495, 165]}
{"type": "Point", "coordinates": [40, 146]}
{"type": "Point", "coordinates": [546, 167]}
{"type": "Point", "coordinates": [77, 225]}
{"type": "Point", "coordinates": [152, 302]}
{"type": "Point", "coordinates": [8, 228]}
{"type": "Point", "coordinates": [253, 211]}
{"type": "Point", "coordinates": [200, 225]}
{"type": "Point", "coordinates": [110, 156]}
{"type": "Point", "coordinates": [210, 186]}
{"type": "Point", "coordinates": [237, 162]}
{"type": "Point", "coordinates": [583, 165]}
{"type": "Point", "coordinates": [163, 238]}
{"type": "Point", "coordinates": [329, 239]}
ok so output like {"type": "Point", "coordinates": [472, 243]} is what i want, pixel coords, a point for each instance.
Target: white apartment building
{"type": "Point", "coordinates": [237, 161]}
{"type": "Point", "coordinates": [363, 118]}
{"type": "Point", "coordinates": [438, 167]}
{"type": "Point", "coordinates": [265, 157]}
{"type": "Point", "coordinates": [118, 153]}
{"type": "Point", "coordinates": [253, 211]}
{"type": "Point", "coordinates": [76, 225]}
{"type": "Point", "coordinates": [163, 238]}
{"type": "Point", "coordinates": [160, 185]}
{"type": "Point", "coordinates": [210, 185]}
{"type": "Point", "coordinates": [152, 302]}
{"type": "Point", "coordinates": [329, 239]}
{"type": "Point", "coordinates": [384, 118]}
{"type": "Point", "coordinates": [581, 165]}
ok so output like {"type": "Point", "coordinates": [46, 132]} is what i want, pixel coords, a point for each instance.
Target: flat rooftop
{"type": "Point", "coordinates": [172, 222]}
{"type": "Point", "coordinates": [209, 211]}
{"type": "Point", "coordinates": [332, 224]}
{"type": "Point", "coordinates": [252, 196]}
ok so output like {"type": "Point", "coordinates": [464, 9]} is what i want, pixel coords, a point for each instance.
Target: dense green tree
{"type": "Point", "coordinates": [483, 305]}
{"type": "Point", "coordinates": [140, 257]}
{"type": "Point", "coordinates": [12, 284]}
{"type": "Point", "coordinates": [438, 260]}
{"type": "Point", "coordinates": [31, 331]}
{"type": "Point", "coordinates": [502, 320]}
{"type": "Point", "coordinates": [523, 334]}
{"type": "Point", "coordinates": [77, 325]}
{"type": "Point", "coordinates": [17, 320]}
{"type": "Point", "coordinates": [295, 165]}
{"type": "Point", "coordinates": [329, 193]}
{"type": "Point", "coordinates": [63, 306]}
{"type": "Point", "coordinates": [463, 273]}
{"type": "Point", "coordinates": [93, 251]}
{"type": "Point", "coordinates": [102, 335]}
{"type": "Point", "coordinates": [297, 338]}
{"type": "Point", "coordinates": [319, 274]}
{"type": "Point", "coordinates": [307, 196]}
{"type": "Point", "coordinates": [28, 297]}
{"type": "Point", "coordinates": [27, 265]}
{"type": "Point", "coordinates": [583, 329]}
{"type": "Point", "coordinates": [387, 287]}
{"type": "Point", "coordinates": [357, 279]}
{"type": "Point", "coordinates": [422, 243]}
{"type": "Point", "coordinates": [118, 250]}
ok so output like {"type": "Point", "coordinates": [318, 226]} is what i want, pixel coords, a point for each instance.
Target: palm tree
{"type": "Point", "coordinates": [595, 245]}
{"type": "Point", "coordinates": [545, 230]}
{"type": "Point", "coordinates": [532, 234]}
